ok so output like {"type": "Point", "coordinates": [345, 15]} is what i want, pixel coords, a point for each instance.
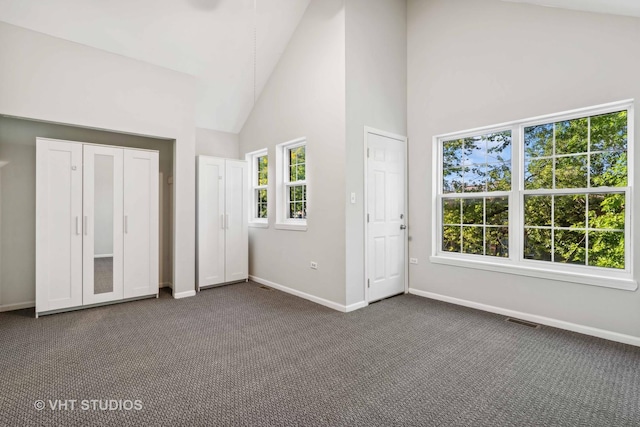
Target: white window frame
{"type": "Point", "coordinates": [283, 222]}
{"type": "Point", "coordinates": [252, 159]}
{"type": "Point", "coordinates": [516, 263]}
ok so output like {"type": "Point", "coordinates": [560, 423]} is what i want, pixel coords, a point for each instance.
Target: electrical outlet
{"type": "Point", "coordinates": [353, 197]}
{"type": "Point", "coordinates": [314, 265]}
{"type": "Point", "coordinates": [413, 260]}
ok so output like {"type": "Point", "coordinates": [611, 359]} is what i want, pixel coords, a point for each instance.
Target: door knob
{"type": "Point", "coordinates": [403, 227]}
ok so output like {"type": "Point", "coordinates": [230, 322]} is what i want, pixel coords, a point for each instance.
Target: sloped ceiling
{"type": "Point", "coordinates": [212, 40]}
{"type": "Point", "coordinates": [615, 7]}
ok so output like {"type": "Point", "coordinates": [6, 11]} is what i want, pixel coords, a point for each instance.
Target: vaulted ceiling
{"type": "Point", "coordinates": [212, 40]}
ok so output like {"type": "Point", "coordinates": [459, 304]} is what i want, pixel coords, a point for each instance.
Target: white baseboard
{"type": "Point", "coordinates": [185, 294]}
{"type": "Point", "coordinates": [165, 285]}
{"type": "Point", "coordinates": [561, 324]}
{"type": "Point", "coordinates": [17, 306]}
{"type": "Point", "coordinates": [334, 305]}
{"type": "Point", "coordinates": [103, 256]}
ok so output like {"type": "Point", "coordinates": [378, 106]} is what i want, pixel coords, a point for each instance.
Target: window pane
{"type": "Point", "coordinates": [537, 210]}
{"type": "Point", "coordinates": [451, 239]}
{"type": "Point", "coordinates": [607, 211]}
{"type": "Point", "coordinates": [497, 242]}
{"type": "Point", "coordinates": [475, 151]}
{"type": "Point", "coordinates": [537, 244]}
{"type": "Point", "coordinates": [538, 140]}
{"type": "Point", "coordinates": [472, 211]}
{"type": "Point", "coordinates": [606, 249]}
{"type": "Point", "coordinates": [609, 132]}
{"type": "Point", "coordinates": [498, 177]}
{"type": "Point", "coordinates": [572, 136]}
{"type": "Point", "coordinates": [609, 169]}
{"type": "Point", "coordinates": [263, 166]}
{"type": "Point", "coordinates": [570, 211]}
{"type": "Point", "coordinates": [499, 148]}
{"type": "Point", "coordinates": [570, 246]}
{"type": "Point", "coordinates": [473, 179]}
{"type": "Point", "coordinates": [538, 174]}
{"type": "Point", "coordinates": [497, 211]}
{"type": "Point", "coordinates": [452, 153]}
{"type": "Point", "coordinates": [571, 172]}
{"type": "Point", "coordinates": [301, 172]}
{"type": "Point", "coordinates": [472, 240]}
{"type": "Point", "coordinates": [452, 181]}
{"type": "Point", "coordinates": [451, 211]}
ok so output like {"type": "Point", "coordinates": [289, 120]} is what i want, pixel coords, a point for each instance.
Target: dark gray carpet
{"type": "Point", "coordinates": [240, 355]}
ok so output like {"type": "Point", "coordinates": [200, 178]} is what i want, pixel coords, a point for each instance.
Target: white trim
{"type": "Point", "coordinates": [325, 302]}
{"type": "Point", "coordinates": [516, 263]}
{"type": "Point", "coordinates": [556, 323]}
{"type": "Point", "coordinates": [369, 130]}
{"type": "Point", "coordinates": [185, 294]}
{"type": "Point", "coordinates": [165, 285]}
{"type": "Point", "coordinates": [17, 306]}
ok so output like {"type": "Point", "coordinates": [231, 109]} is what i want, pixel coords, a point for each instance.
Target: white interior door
{"type": "Point", "coordinates": [211, 221]}
{"type": "Point", "coordinates": [236, 232]}
{"type": "Point", "coordinates": [386, 216]}
{"type": "Point", "coordinates": [102, 224]}
{"type": "Point", "coordinates": [58, 225]}
{"type": "Point", "coordinates": [140, 223]}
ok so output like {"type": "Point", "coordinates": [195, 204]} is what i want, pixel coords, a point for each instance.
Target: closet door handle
{"type": "Point", "coordinates": [222, 221]}
{"type": "Point", "coordinates": [126, 224]}
{"type": "Point", "coordinates": [84, 225]}
{"type": "Point", "coordinates": [77, 226]}
{"type": "Point", "coordinates": [226, 221]}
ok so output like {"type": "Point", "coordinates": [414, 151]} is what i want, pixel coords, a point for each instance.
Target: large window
{"type": "Point", "coordinates": [292, 185]}
{"type": "Point", "coordinates": [548, 197]}
{"type": "Point", "coordinates": [259, 176]}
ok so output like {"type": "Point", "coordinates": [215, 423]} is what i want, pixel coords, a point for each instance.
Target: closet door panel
{"type": "Point", "coordinates": [236, 240]}
{"type": "Point", "coordinates": [211, 221]}
{"type": "Point", "coordinates": [102, 224]}
{"type": "Point", "coordinates": [140, 223]}
{"type": "Point", "coordinates": [58, 225]}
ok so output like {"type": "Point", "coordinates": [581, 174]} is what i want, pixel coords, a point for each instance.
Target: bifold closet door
{"type": "Point", "coordinates": [236, 232]}
{"type": "Point", "coordinates": [102, 224]}
{"type": "Point", "coordinates": [58, 225]}
{"type": "Point", "coordinates": [140, 223]}
{"type": "Point", "coordinates": [211, 221]}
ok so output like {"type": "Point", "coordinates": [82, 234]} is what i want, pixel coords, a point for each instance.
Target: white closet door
{"type": "Point", "coordinates": [237, 238]}
{"type": "Point", "coordinates": [102, 224]}
{"type": "Point", "coordinates": [211, 221]}
{"type": "Point", "coordinates": [140, 223]}
{"type": "Point", "coordinates": [58, 225]}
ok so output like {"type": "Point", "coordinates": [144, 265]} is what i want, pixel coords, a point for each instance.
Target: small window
{"type": "Point", "coordinates": [259, 195]}
{"type": "Point", "coordinates": [292, 185]}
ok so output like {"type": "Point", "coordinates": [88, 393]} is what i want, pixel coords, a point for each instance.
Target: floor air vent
{"type": "Point", "coordinates": [522, 322]}
{"type": "Point", "coordinates": [265, 288]}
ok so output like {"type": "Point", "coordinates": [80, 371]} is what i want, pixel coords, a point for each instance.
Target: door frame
{"type": "Point", "coordinates": [365, 198]}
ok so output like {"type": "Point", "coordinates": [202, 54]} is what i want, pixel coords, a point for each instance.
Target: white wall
{"type": "Point", "coordinates": [376, 75]}
{"type": "Point", "coordinates": [18, 198]}
{"type": "Point", "coordinates": [103, 205]}
{"type": "Point", "coordinates": [481, 62]}
{"type": "Point", "coordinates": [54, 80]}
{"type": "Point", "coordinates": [305, 97]}
{"type": "Point", "coordinates": [217, 144]}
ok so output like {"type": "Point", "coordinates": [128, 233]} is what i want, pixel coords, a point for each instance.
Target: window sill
{"type": "Point", "coordinates": [291, 226]}
{"type": "Point", "coordinates": [255, 224]}
{"type": "Point", "coordinates": [626, 284]}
